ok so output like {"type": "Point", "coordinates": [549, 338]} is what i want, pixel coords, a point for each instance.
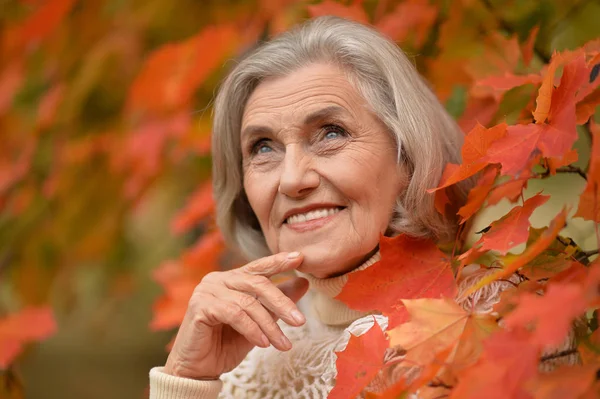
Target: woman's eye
{"type": "Point", "coordinates": [261, 147]}
{"type": "Point", "coordinates": [333, 132]}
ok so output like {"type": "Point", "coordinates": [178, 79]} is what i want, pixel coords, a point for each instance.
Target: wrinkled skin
{"type": "Point", "coordinates": [309, 142]}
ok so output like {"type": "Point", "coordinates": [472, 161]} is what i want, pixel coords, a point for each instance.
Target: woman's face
{"type": "Point", "coordinates": [320, 169]}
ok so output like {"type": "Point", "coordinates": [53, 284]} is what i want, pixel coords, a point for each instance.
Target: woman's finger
{"type": "Point", "coordinates": [269, 295]}
{"type": "Point", "coordinates": [261, 316]}
{"type": "Point", "coordinates": [233, 315]}
{"type": "Point", "coordinates": [274, 264]}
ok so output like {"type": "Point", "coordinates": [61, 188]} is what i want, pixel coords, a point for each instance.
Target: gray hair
{"type": "Point", "coordinates": [426, 136]}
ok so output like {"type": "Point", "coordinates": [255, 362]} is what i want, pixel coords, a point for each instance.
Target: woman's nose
{"type": "Point", "coordinates": [298, 178]}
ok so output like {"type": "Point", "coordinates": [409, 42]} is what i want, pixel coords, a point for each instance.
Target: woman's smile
{"type": "Point", "coordinates": [312, 219]}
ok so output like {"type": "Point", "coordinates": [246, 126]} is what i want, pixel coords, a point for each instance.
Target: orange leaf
{"type": "Point", "coordinates": [474, 152]}
{"type": "Point", "coordinates": [564, 382]}
{"type": "Point", "coordinates": [359, 363]}
{"type": "Point", "coordinates": [508, 361]}
{"type": "Point", "coordinates": [409, 268]}
{"type": "Point", "coordinates": [354, 11]}
{"type": "Point", "coordinates": [527, 256]}
{"type": "Point", "coordinates": [511, 190]}
{"type": "Point", "coordinates": [478, 194]}
{"type": "Point", "coordinates": [172, 73]}
{"type": "Point", "coordinates": [412, 16]}
{"type": "Point", "coordinates": [552, 139]}
{"type": "Point", "coordinates": [528, 46]}
{"type": "Point", "coordinates": [28, 325]}
{"type": "Point", "coordinates": [437, 325]}
{"type": "Point", "coordinates": [511, 230]}
{"type": "Point", "coordinates": [506, 82]}
{"type": "Point", "coordinates": [589, 201]}
{"type": "Point", "coordinates": [551, 314]}
{"type": "Point", "coordinates": [199, 206]}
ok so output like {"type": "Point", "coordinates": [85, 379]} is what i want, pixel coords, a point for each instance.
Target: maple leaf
{"type": "Point", "coordinates": [511, 265]}
{"type": "Point", "coordinates": [554, 259]}
{"type": "Point", "coordinates": [564, 382]}
{"type": "Point", "coordinates": [589, 208]}
{"type": "Point", "coordinates": [359, 362]}
{"type": "Point", "coordinates": [552, 139]}
{"type": "Point", "coordinates": [479, 110]}
{"type": "Point", "coordinates": [501, 84]}
{"type": "Point", "coordinates": [478, 194]}
{"type": "Point", "coordinates": [511, 229]}
{"type": "Point", "coordinates": [409, 268]}
{"type": "Point", "coordinates": [528, 46]}
{"type": "Point", "coordinates": [199, 206]}
{"type": "Point", "coordinates": [511, 190]}
{"type": "Point", "coordinates": [412, 16]}
{"type": "Point", "coordinates": [172, 73]}
{"type": "Point", "coordinates": [28, 325]}
{"type": "Point", "coordinates": [440, 324]}
{"type": "Point", "coordinates": [474, 150]}
{"type": "Point", "coordinates": [353, 11]}
{"type": "Point", "coordinates": [551, 314]}
{"type": "Point", "coordinates": [507, 363]}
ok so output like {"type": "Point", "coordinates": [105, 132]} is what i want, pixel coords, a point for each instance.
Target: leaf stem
{"type": "Point", "coordinates": [556, 355]}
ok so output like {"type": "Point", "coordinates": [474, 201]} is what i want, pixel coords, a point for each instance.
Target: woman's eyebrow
{"type": "Point", "coordinates": [324, 113]}
{"type": "Point", "coordinates": [316, 116]}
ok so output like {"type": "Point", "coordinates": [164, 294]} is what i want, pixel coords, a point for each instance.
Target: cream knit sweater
{"type": "Point", "coordinates": [308, 369]}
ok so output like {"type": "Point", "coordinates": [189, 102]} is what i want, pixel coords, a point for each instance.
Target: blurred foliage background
{"type": "Point", "coordinates": [105, 200]}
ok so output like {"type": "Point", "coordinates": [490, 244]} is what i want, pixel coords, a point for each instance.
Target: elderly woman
{"type": "Point", "coordinates": [324, 139]}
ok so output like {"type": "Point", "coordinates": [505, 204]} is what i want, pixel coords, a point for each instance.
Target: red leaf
{"type": "Point", "coordinates": [532, 251]}
{"type": "Point", "coordinates": [528, 46]}
{"type": "Point", "coordinates": [589, 201]}
{"type": "Point", "coordinates": [506, 82]}
{"type": "Point", "coordinates": [552, 139]}
{"type": "Point", "coordinates": [551, 314]}
{"type": "Point", "coordinates": [508, 362]}
{"type": "Point", "coordinates": [565, 382]}
{"type": "Point", "coordinates": [409, 17]}
{"type": "Point", "coordinates": [199, 206]}
{"type": "Point", "coordinates": [410, 268]}
{"type": "Point", "coordinates": [172, 73]}
{"type": "Point", "coordinates": [477, 195]}
{"type": "Point", "coordinates": [511, 230]}
{"type": "Point", "coordinates": [354, 11]}
{"type": "Point", "coordinates": [474, 152]}
{"type": "Point", "coordinates": [28, 325]}
{"type": "Point", "coordinates": [511, 190]}
{"type": "Point", "coordinates": [359, 363]}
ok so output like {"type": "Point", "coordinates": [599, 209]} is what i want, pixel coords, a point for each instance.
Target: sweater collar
{"type": "Point", "coordinates": [323, 291]}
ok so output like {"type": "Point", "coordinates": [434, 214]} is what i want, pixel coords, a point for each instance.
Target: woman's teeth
{"type": "Point", "coordinates": [311, 215]}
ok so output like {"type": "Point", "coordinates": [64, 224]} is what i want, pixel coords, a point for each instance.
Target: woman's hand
{"type": "Point", "coordinates": [231, 312]}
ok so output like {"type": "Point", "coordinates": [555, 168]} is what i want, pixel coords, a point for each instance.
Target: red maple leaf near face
{"type": "Point", "coordinates": [359, 363]}
{"type": "Point", "coordinates": [554, 132]}
{"type": "Point", "coordinates": [410, 268]}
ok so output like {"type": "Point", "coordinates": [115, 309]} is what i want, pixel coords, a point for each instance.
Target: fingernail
{"type": "Point", "coordinates": [265, 341]}
{"type": "Point", "coordinates": [298, 317]}
{"type": "Point", "coordinates": [293, 255]}
{"type": "Point", "coordinates": [285, 343]}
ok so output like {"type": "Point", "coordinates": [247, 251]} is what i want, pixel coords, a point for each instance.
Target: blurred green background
{"type": "Point", "coordinates": [105, 200]}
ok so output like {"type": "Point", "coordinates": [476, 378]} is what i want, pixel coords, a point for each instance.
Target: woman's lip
{"type": "Point", "coordinates": [312, 224]}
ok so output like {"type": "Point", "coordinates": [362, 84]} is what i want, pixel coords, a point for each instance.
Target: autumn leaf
{"type": "Point", "coordinates": [589, 208]}
{"type": "Point", "coordinates": [17, 329]}
{"type": "Point", "coordinates": [359, 362]}
{"type": "Point", "coordinates": [527, 47]}
{"type": "Point", "coordinates": [478, 194]}
{"type": "Point", "coordinates": [501, 84]}
{"type": "Point", "coordinates": [564, 382]}
{"type": "Point", "coordinates": [507, 363]}
{"type": "Point", "coordinates": [511, 190]}
{"type": "Point", "coordinates": [530, 253]}
{"type": "Point", "coordinates": [550, 314]}
{"type": "Point", "coordinates": [199, 206]}
{"type": "Point", "coordinates": [353, 11]}
{"type": "Point", "coordinates": [511, 230]}
{"type": "Point", "coordinates": [474, 150]}
{"type": "Point", "coordinates": [172, 73]}
{"type": "Point", "coordinates": [556, 258]}
{"type": "Point", "coordinates": [440, 324]}
{"type": "Point", "coordinates": [409, 268]}
{"type": "Point", "coordinates": [552, 139]}
{"type": "Point", "coordinates": [409, 17]}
